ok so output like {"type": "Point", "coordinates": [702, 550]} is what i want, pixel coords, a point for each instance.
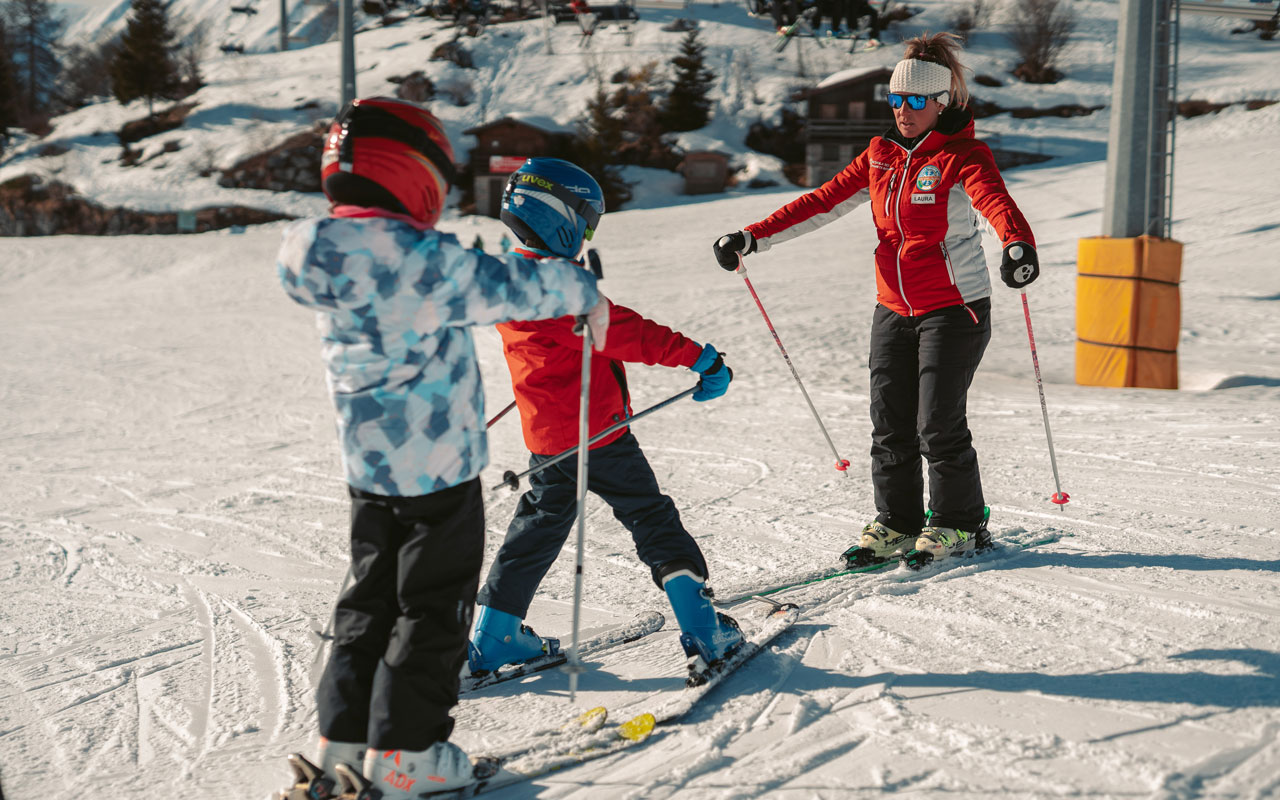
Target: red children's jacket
{"type": "Point", "coordinates": [925, 203]}
{"type": "Point", "coordinates": [545, 360]}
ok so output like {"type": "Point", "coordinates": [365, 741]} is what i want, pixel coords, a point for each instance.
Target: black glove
{"type": "Point", "coordinates": [1019, 266]}
{"type": "Point", "coordinates": [728, 247]}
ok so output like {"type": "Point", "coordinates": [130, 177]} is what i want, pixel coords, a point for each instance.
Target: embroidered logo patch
{"type": "Point", "coordinates": [928, 178]}
{"type": "Point", "coordinates": [922, 200]}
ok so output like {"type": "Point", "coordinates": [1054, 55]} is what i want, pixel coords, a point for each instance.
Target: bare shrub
{"type": "Point", "coordinates": [86, 73]}
{"type": "Point", "coordinates": [415, 87]}
{"type": "Point", "coordinates": [1041, 30]}
{"type": "Point", "coordinates": [971, 16]}
{"type": "Point", "coordinates": [454, 51]}
{"type": "Point", "coordinates": [458, 89]}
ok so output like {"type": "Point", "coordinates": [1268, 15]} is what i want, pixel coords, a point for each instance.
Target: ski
{"type": "Point", "coordinates": [815, 576]}
{"type": "Point", "coordinates": [584, 738]}
{"type": "Point", "coordinates": [1007, 541]}
{"type": "Point", "coordinates": [802, 26]}
{"type": "Point", "coordinates": [642, 625]}
{"type": "Point", "coordinates": [310, 783]}
{"type": "Point", "coordinates": [544, 757]}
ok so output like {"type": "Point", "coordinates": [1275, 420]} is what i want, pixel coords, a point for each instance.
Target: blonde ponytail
{"type": "Point", "coordinates": [942, 48]}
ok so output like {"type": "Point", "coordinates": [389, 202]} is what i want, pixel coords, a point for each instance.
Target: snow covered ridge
{"type": "Point", "coordinates": [253, 102]}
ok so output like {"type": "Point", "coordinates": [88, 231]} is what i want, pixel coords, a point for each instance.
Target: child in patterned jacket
{"type": "Point", "coordinates": [395, 301]}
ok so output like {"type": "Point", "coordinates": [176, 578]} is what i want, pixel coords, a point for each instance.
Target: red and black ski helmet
{"type": "Point", "coordinates": [388, 153]}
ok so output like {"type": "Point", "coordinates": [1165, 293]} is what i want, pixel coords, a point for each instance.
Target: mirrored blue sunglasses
{"type": "Point", "coordinates": [916, 101]}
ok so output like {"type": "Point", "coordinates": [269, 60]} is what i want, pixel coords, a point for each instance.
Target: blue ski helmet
{"type": "Point", "coordinates": [553, 205]}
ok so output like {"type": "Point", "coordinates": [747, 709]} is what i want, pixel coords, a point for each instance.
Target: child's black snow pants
{"type": "Point", "coordinates": [921, 368]}
{"type": "Point", "coordinates": [620, 474]}
{"type": "Point", "coordinates": [401, 626]}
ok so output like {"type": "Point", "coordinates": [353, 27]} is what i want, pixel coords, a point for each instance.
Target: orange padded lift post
{"type": "Point", "coordinates": [1128, 312]}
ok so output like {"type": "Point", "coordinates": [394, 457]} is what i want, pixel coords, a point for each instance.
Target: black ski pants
{"type": "Point", "coordinates": [855, 9]}
{"type": "Point", "coordinates": [401, 626]}
{"type": "Point", "coordinates": [784, 12]}
{"type": "Point", "coordinates": [921, 368]}
{"type": "Point", "coordinates": [620, 474]}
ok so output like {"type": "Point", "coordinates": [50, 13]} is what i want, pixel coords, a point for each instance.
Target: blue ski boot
{"type": "Point", "coordinates": [706, 635]}
{"type": "Point", "coordinates": [501, 638]}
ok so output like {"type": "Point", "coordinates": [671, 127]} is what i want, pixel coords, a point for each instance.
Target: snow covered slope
{"type": "Point", "coordinates": [173, 520]}
{"type": "Point", "coordinates": [255, 26]}
{"type": "Point", "coordinates": [255, 101]}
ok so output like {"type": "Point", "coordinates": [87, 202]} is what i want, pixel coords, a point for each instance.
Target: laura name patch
{"type": "Point", "coordinates": [922, 199]}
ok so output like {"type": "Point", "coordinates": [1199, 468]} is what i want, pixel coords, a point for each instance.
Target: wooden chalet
{"type": "Point", "coordinates": [705, 171]}
{"type": "Point", "coordinates": [503, 145]}
{"type": "Point", "coordinates": [845, 111]}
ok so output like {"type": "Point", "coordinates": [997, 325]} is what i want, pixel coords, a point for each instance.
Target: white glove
{"type": "Point", "coordinates": [598, 322]}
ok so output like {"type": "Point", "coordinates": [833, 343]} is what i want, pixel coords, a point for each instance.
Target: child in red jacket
{"type": "Point", "coordinates": [551, 206]}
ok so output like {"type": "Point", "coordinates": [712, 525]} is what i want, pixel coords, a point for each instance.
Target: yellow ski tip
{"type": "Point", "coordinates": [591, 720]}
{"type": "Point", "coordinates": [637, 729]}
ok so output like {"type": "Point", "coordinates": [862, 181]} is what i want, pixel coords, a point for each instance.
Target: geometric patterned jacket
{"type": "Point", "coordinates": [394, 304]}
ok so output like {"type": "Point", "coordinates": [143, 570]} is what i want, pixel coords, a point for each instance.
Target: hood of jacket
{"type": "Point", "coordinates": [953, 123]}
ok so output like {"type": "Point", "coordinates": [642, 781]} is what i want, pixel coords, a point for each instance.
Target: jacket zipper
{"type": "Point", "coordinates": [893, 181]}
{"type": "Point", "coordinates": [946, 258]}
{"type": "Point", "coordinates": [902, 236]}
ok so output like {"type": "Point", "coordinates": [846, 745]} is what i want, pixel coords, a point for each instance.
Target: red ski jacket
{"type": "Point", "coordinates": [923, 200]}
{"type": "Point", "coordinates": [545, 359]}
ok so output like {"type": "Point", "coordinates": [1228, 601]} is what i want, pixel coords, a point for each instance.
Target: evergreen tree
{"type": "Point", "coordinates": [643, 133]}
{"type": "Point", "coordinates": [8, 89]}
{"type": "Point", "coordinates": [600, 138]}
{"type": "Point", "coordinates": [86, 73]}
{"type": "Point", "coordinates": [34, 32]}
{"type": "Point", "coordinates": [145, 64]}
{"type": "Point", "coordinates": [688, 107]}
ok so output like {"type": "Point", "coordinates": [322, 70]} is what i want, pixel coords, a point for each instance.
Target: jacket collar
{"type": "Point", "coordinates": [364, 212]}
{"type": "Point", "coordinates": [532, 252]}
{"type": "Point", "coordinates": [954, 123]}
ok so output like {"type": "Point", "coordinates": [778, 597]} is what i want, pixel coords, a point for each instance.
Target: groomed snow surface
{"type": "Point", "coordinates": [173, 522]}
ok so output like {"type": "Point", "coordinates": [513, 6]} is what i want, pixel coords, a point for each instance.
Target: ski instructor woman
{"type": "Point", "coordinates": [925, 179]}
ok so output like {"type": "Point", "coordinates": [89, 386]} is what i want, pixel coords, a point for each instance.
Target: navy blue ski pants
{"type": "Point", "coordinates": [620, 474]}
{"type": "Point", "coordinates": [921, 368]}
{"type": "Point", "coordinates": [401, 625]}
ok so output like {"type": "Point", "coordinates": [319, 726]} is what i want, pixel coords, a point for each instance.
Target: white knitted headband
{"type": "Point", "coordinates": [913, 76]}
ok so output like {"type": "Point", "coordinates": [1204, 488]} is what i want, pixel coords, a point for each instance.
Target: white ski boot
{"type": "Point", "coordinates": [942, 543]}
{"type": "Point", "coordinates": [878, 544]}
{"type": "Point", "coordinates": [334, 753]}
{"type": "Point", "coordinates": [405, 774]}
{"type": "Point", "coordinates": [320, 781]}
{"type": "Point", "coordinates": [309, 782]}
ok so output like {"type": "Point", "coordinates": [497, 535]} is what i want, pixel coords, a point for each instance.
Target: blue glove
{"type": "Point", "coordinates": [715, 375]}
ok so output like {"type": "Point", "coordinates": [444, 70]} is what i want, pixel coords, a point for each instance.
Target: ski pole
{"type": "Point", "coordinates": [1059, 497]}
{"type": "Point", "coordinates": [326, 636]}
{"type": "Point", "coordinates": [500, 414]}
{"type": "Point", "coordinates": [512, 479]}
{"type": "Point", "coordinates": [574, 667]}
{"type": "Point", "coordinates": [841, 463]}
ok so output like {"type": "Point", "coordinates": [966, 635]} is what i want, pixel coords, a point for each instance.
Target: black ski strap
{"type": "Point", "coordinates": [359, 121]}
